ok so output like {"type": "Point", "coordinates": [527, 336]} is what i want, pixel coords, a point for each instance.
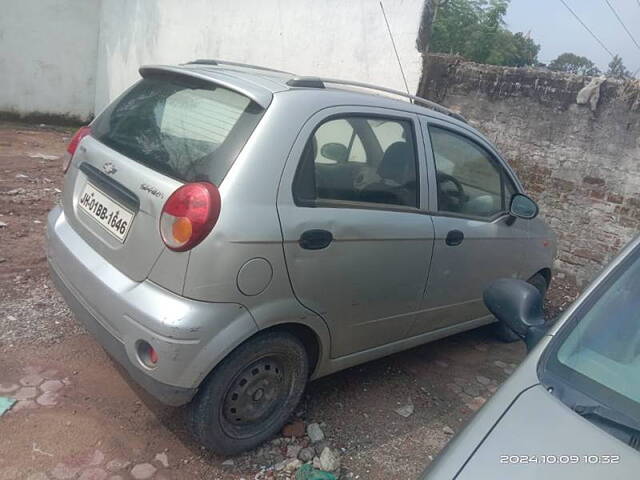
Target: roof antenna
{"type": "Point", "coordinates": [406, 86]}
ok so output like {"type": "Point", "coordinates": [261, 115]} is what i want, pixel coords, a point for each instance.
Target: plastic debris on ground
{"type": "Point", "coordinates": [5, 404]}
{"type": "Point", "coordinates": [307, 472]}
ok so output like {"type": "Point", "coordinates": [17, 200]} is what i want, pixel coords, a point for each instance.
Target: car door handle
{"type": "Point", "coordinates": [315, 239]}
{"type": "Point", "coordinates": [454, 238]}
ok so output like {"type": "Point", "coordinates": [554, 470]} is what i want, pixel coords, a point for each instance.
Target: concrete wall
{"type": "Point", "coordinates": [338, 38]}
{"type": "Point", "coordinates": [581, 165]}
{"type": "Point", "coordinates": [48, 51]}
{"type": "Point", "coordinates": [71, 57]}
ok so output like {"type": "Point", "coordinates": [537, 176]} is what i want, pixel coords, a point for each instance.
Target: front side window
{"type": "Point", "coordinates": [360, 159]}
{"type": "Point", "coordinates": [470, 182]}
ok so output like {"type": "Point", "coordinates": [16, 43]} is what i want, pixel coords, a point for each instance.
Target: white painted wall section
{"type": "Point", "coordinates": [48, 52]}
{"type": "Point", "coordinates": [72, 57]}
{"type": "Point", "coordinates": [333, 38]}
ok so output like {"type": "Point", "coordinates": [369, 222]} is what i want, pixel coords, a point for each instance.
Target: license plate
{"type": "Point", "coordinates": [112, 216]}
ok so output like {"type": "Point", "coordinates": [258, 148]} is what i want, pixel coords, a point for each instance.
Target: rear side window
{"type": "Point", "coordinates": [188, 129]}
{"type": "Point", "coordinates": [359, 159]}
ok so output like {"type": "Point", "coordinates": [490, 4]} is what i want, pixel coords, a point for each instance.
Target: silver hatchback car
{"type": "Point", "coordinates": [228, 232]}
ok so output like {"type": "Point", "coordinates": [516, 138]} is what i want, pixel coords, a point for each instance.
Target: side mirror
{"type": "Point", "coordinates": [523, 207]}
{"type": "Point", "coordinates": [518, 304]}
{"type": "Point", "coordinates": [335, 151]}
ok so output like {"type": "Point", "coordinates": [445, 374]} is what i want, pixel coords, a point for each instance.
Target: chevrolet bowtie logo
{"type": "Point", "coordinates": [109, 169]}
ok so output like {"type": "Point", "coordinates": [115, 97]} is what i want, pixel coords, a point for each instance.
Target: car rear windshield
{"type": "Point", "coordinates": [186, 128]}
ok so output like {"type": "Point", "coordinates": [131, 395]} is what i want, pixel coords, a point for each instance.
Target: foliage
{"type": "Point", "coordinates": [476, 30]}
{"type": "Point", "coordinates": [617, 68]}
{"type": "Point", "coordinates": [576, 64]}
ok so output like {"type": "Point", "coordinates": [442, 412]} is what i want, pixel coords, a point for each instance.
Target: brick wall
{"type": "Point", "coordinates": [582, 165]}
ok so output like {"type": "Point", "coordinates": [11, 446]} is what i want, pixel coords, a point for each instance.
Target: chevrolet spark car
{"type": "Point", "coordinates": [572, 409]}
{"type": "Point", "coordinates": [228, 232]}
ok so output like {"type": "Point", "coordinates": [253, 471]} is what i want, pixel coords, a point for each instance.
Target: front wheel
{"type": "Point", "coordinates": [251, 394]}
{"type": "Point", "coordinates": [502, 331]}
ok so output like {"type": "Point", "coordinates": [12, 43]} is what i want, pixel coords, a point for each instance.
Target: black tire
{"type": "Point", "coordinates": [504, 333]}
{"type": "Point", "coordinates": [251, 394]}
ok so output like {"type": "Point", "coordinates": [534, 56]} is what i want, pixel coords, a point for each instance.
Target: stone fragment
{"type": "Point", "coordinates": [471, 389]}
{"type": "Point", "coordinates": [320, 446]}
{"type": "Point", "coordinates": [93, 459]}
{"type": "Point", "coordinates": [51, 386]}
{"type": "Point", "coordinates": [48, 399]}
{"type": "Point", "coordinates": [590, 94]}
{"type": "Point", "coordinates": [329, 460]}
{"type": "Point", "coordinates": [476, 403]}
{"type": "Point", "coordinates": [306, 454]}
{"type": "Point", "coordinates": [8, 387]}
{"type": "Point", "coordinates": [25, 393]}
{"type": "Point", "coordinates": [315, 433]}
{"type": "Point", "coordinates": [448, 430]}
{"type": "Point", "coordinates": [163, 459]}
{"type": "Point", "coordinates": [292, 465]}
{"type": "Point", "coordinates": [31, 380]}
{"type": "Point", "coordinates": [117, 465]}
{"type": "Point", "coordinates": [143, 471]}
{"type": "Point", "coordinates": [23, 405]}
{"type": "Point", "coordinates": [405, 411]}
{"type": "Point", "coordinates": [293, 451]}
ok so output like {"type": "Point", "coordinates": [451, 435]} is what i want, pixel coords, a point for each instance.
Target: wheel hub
{"type": "Point", "coordinates": [254, 394]}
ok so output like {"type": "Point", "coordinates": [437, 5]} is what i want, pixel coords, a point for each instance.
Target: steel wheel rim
{"type": "Point", "coordinates": [254, 396]}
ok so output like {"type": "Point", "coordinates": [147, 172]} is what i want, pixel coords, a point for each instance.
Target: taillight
{"type": "Point", "coordinates": [73, 145]}
{"type": "Point", "coordinates": [189, 215]}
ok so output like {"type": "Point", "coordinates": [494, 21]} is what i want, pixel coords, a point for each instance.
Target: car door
{"type": "Point", "coordinates": [357, 241]}
{"type": "Point", "coordinates": [476, 241]}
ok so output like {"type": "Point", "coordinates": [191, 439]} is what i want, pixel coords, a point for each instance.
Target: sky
{"type": "Point", "coordinates": [556, 30]}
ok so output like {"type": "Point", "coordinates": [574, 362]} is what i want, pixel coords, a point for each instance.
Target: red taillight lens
{"type": "Point", "coordinates": [189, 215]}
{"type": "Point", "coordinates": [73, 145]}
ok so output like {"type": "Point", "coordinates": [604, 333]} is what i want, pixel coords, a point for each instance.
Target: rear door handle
{"type": "Point", "coordinates": [454, 238]}
{"type": "Point", "coordinates": [315, 239]}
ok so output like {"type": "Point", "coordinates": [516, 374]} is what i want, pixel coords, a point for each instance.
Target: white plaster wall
{"type": "Point", "coordinates": [48, 51]}
{"type": "Point", "coordinates": [335, 38]}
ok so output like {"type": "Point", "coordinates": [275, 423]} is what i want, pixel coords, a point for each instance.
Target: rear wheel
{"type": "Point", "coordinates": [504, 333]}
{"type": "Point", "coordinates": [251, 394]}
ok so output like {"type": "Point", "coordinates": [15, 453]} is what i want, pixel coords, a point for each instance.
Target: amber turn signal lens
{"type": "Point", "coordinates": [181, 230]}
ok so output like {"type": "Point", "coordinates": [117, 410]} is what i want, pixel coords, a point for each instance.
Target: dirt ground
{"type": "Point", "coordinates": [80, 418]}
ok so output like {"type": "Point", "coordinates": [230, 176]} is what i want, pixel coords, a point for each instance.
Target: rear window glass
{"type": "Point", "coordinates": [189, 129]}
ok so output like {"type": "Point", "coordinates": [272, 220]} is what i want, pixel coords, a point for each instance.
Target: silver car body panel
{"type": "Point", "coordinates": [535, 422]}
{"type": "Point", "coordinates": [523, 448]}
{"type": "Point", "coordinates": [190, 337]}
{"type": "Point", "coordinates": [368, 283]}
{"type": "Point", "coordinates": [249, 274]}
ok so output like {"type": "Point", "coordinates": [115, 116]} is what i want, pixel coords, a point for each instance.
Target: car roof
{"type": "Point", "coordinates": [261, 83]}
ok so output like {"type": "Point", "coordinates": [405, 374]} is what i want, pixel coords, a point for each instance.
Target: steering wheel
{"type": "Point", "coordinates": [456, 197]}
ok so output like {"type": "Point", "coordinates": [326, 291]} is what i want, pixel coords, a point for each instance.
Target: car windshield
{"type": "Point", "coordinates": [185, 128]}
{"type": "Point", "coordinates": [599, 352]}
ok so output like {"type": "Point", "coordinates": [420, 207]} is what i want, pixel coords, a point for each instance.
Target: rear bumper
{"type": "Point", "coordinates": [191, 337]}
{"type": "Point", "coordinates": [167, 394]}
